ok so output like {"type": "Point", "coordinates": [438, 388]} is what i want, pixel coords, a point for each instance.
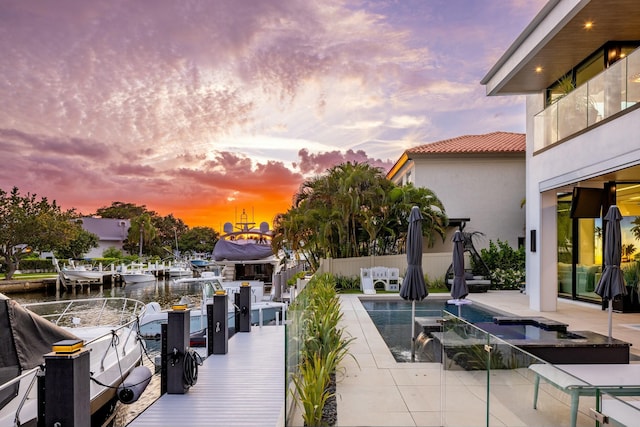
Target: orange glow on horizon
{"type": "Point", "coordinates": [215, 216]}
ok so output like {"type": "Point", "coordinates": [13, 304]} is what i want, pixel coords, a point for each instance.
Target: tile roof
{"type": "Point", "coordinates": [495, 142]}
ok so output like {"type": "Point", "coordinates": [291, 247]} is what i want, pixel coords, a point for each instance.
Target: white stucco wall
{"type": "Point", "coordinates": [607, 148]}
{"type": "Point", "coordinates": [488, 190]}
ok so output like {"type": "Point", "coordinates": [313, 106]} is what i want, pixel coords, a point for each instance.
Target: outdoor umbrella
{"type": "Point", "coordinates": [413, 287]}
{"type": "Point", "coordinates": [611, 283]}
{"type": "Point", "coordinates": [459, 288]}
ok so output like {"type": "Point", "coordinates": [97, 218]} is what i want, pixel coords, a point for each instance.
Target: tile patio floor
{"type": "Point", "coordinates": [378, 391]}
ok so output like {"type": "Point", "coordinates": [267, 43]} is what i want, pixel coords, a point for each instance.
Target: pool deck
{"type": "Point", "coordinates": [378, 391]}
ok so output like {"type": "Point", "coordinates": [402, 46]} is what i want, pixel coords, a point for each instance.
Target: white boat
{"type": "Point", "coordinates": [245, 252]}
{"type": "Point", "coordinates": [262, 312]}
{"type": "Point", "coordinates": [136, 273]}
{"type": "Point", "coordinates": [106, 325]}
{"type": "Point", "coordinates": [74, 273]}
{"type": "Point", "coordinates": [179, 269]}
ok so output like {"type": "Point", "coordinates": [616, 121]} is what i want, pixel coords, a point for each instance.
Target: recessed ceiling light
{"type": "Point", "coordinates": [538, 69]}
{"type": "Point", "coordinates": [588, 25]}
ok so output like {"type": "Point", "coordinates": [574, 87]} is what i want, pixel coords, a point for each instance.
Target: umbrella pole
{"type": "Point", "coordinates": [610, 316]}
{"type": "Point", "coordinates": [413, 330]}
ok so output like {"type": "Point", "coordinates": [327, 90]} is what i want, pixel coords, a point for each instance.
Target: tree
{"type": "Point", "coordinates": [351, 211]}
{"type": "Point", "coordinates": [198, 240]}
{"type": "Point", "coordinates": [142, 230]}
{"type": "Point", "coordinates": [27, 223]}
{"type": "Point", "coordinates": [78, 245]}
{"type": "Point", "coordinates": [121, 210]}
{"type": "Point", "coordinates": [169, 231]}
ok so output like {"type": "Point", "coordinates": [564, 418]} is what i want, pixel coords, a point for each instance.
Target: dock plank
{"type": "Point", "coordinates": [244, 387]}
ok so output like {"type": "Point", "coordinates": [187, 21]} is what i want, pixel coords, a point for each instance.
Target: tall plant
{"type": "Point", "coordinates": [322, 347]}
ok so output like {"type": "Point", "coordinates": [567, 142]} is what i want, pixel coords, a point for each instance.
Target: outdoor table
{"type": "Point", "coordinates": [588, 380]}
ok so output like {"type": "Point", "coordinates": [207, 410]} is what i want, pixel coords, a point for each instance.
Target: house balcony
{"type": "Point", "coordinates": [609, 93]}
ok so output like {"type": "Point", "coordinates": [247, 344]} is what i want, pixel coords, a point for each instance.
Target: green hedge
{"type": "Point", "coordinates": [35, 266]}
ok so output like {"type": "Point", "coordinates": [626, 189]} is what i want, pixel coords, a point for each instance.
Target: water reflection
{"type": "Point", "coordinates": [165, 291]}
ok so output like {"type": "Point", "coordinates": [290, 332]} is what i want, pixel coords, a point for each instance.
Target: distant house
{"type": "Point", "coordinates": [480, 179]}
{"type": "Point", "coordinates": [111, 233]}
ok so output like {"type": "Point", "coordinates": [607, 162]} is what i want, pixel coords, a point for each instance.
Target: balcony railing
{"type": "Point", "coordinates": [615, 89]}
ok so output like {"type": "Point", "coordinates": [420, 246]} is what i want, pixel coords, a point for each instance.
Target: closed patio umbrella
{"type": "Point", "coordinates": [611, 282]}
{"type": "Point", "coordinates": [413, 286]}
{"type": "Point", "coordinates": [459, 288]}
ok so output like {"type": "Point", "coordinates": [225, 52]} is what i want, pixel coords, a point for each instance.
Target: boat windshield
{"type": "Point", "coordinates": [210, 287]}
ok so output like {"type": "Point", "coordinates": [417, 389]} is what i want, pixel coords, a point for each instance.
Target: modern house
{"type": "Point", "coordinates": [578, 65]}
{"type": "Point", "coordinates": [111, 233]}
{"type": "Point", "coordinates": [480, 180]}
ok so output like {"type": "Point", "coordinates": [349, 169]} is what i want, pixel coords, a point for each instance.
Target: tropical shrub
{"type": "Point", "coordinates": [507, 265]}
{"type": "Point", "coordinates": [322, 347]}
{"type": "Point", "coordinates": [435, 285]}
{"type": "Point", "coordinates": [344, 283]}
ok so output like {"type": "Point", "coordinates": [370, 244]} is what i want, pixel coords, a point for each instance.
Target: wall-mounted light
{"type": "Point", "coordinates": [538, 69]}
{"type": "Point", "coordinates": [532, 243]}
{"type": "Point", "coordinates": [588, 25]}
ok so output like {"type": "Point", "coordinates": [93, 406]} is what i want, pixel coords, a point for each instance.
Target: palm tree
{"type": "Point", "coordinates": [628, 250]}
{"type": "Point", "coordinates": [142, 228]}
{"type": "Point", "coordinates": [354, 210]}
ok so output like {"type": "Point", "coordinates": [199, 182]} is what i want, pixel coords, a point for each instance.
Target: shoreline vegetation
{"type": "Point", "coordinates": [27, 283]}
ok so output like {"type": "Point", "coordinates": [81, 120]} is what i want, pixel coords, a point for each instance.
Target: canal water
{"type": "Point", "coordinates": [164, 291]}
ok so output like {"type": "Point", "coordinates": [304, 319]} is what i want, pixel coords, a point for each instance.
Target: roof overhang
{"type": "Point", "coordinates": [556, 40]}
{"type": "Point", "coordinates": [397, 166]}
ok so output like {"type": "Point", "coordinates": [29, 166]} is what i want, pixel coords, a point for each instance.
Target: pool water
{"type": "Point", "coordinates": [399, 312]}
{"type": "Point", "coordinates": [525, 332]}
{"type": "Point", "coordinates": [393, 320]}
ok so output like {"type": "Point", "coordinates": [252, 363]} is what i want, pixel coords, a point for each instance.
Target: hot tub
{"type": "Point", "coordinates": [544, 338]}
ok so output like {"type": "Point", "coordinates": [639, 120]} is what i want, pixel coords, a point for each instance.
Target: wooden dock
{"type": "Point", "coordinates": [244, 387]}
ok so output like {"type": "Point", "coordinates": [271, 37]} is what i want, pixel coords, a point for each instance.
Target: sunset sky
{"type": "Point", "coordinates": [203, 108]}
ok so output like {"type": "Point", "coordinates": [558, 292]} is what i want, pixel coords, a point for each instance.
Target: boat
{"type": "Point", "coordinates": [106, 326]}
{"type": "Point", "coordinates": [263, 311]}
{"type": "Point", "coordinates": [199, 263]}
{"type": "Point", "coordinates": [136, 273]}
{"type": "Point", "coordinates": [179, 269]}
{"type": "Point", "coordinates": [81, 273]}
{"type": "Point", "coordinates": [245, 252]}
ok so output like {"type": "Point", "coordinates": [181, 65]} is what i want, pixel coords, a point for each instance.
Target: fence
{"type": "Point", "coordinates": [434, 265]}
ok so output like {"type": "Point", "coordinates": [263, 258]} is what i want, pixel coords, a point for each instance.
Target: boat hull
{"type": "Point", "coordinates": [261, 314]}
{"type": "Point", "coordinates": [137, 277]}
{"type": "Point", "coordinates": [115, 349]}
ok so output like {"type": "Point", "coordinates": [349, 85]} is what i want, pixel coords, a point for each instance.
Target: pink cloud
{"type": "Point", "coordinates": [320, 162]}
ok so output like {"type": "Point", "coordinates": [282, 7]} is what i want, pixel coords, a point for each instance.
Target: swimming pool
{"type": "Point", "coordinates": [542, 337]}
{"type": "Point", "coordinates": [393, 320]}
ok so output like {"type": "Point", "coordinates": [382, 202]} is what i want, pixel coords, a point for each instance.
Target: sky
{"type": "Point", "coordinates": [203, 108]}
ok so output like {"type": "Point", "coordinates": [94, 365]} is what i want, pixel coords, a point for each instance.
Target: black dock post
{"type": "Point", "coordinates": [218, 324]}
{"type": "Point", "coordinates": [67, 395]}
{"type": "Point", "coordinates": [178, 328]}
{"type": "Point", "coordinates": [245, 307]}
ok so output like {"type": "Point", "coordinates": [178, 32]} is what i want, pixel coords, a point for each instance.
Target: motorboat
{"type": "Point", "coordinates": [136, 273]}
{"type": "Point", "coordinates": [244, 252]}
{"type": "Point", "coordinates": [179, 269]}
{"type": "Point", "coordinates": [263, 311]}
{"type": "Point", "coordinates": [73, 272]}
{"type": "Point", "coordinates": [107, 327]}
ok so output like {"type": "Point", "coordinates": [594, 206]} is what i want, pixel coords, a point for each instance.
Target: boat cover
{"type": "Point", "coordinates": [232, 251]}
{"type": "Point", "coordinates": [25, 337]}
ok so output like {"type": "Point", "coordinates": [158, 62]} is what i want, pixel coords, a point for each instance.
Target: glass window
{"type": "Point", "coordinates": [565, 245]}
{"type": "Point", "coordinates": [590, 68]}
